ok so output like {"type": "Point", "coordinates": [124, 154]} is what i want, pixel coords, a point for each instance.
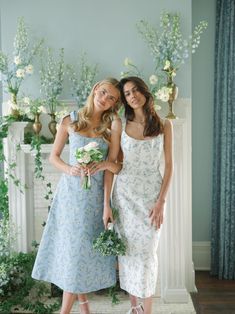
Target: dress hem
{"type": "Point", "coordinates": [142, 296]}
{"type": "Point", "coordinates": [71, 290]}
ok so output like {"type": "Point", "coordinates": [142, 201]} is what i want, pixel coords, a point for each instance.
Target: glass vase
{"type": "Point", "coordinates": [14, 111]}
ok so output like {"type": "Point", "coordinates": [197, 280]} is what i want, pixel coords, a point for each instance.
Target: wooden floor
{"type": "Point", "coordinates": [214, 296]}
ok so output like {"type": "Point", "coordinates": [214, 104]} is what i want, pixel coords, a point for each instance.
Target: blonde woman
{"type": "Point", "coordinates": [65, 256]}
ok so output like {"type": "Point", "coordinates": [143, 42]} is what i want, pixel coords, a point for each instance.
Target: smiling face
{"type": "Point", "coordinates": [105, 96]}
{"type": "Point", "coordinates": [133, 96]}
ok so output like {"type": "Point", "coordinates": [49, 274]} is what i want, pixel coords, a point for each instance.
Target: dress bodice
{"type": "Point", "coordinates": [141, 156]}
{"type": "Point", "coordinates": [77, 140]}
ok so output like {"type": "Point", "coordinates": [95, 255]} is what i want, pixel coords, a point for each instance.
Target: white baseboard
{"type": "Point", "coordinates": [202, 255]}
{"type": "Point", "coordinates": [176, 296]}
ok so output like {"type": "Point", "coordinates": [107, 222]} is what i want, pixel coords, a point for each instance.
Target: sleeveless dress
{"type": "Point", "coordinates": [65, 256]}
{"type": "Point", "coordinates": [134, 193]}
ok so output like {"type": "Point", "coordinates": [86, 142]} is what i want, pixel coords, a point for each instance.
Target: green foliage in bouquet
{"type": "Point", "coordinates": [85, 155]}
{"type": "Point", "coordinates": [108, 242]}
{"type": "Point", "coordinates": [89, 153]}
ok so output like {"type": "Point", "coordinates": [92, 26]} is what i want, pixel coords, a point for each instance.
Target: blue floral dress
{"type": "Point", "coordinates": [65, 256]}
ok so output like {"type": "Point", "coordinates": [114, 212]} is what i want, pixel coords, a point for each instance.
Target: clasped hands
{"type": "Point", "coordinates": [89, 169]}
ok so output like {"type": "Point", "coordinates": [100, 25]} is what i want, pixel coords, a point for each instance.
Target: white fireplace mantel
{"type": "Point", "coordinates": [28, 210]}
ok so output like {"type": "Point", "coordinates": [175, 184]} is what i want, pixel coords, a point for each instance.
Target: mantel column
{"type": "Point", "coordinates": [17, 194]}
{"type": "Point", "coordinates": [176, 237]}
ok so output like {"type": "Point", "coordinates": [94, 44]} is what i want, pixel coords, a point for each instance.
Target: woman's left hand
{"type": "Point", "coordinates": [156, 214]}
{"type": "Point", "coordinates": [94, 167]}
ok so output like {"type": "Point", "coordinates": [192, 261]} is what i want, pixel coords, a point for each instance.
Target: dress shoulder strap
{"type": "Point", "coordinates": [74, 115]}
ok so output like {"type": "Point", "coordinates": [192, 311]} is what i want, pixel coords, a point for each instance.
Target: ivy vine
{"type": "Point", "coordinates": [36, 142]}
{"type": "Point", "coordinates": [16, 284]}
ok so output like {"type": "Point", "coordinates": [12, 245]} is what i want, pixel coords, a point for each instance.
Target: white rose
{"type": "Point", "coordinates": [90, 146]}
{"type": "Point", "coordinates": [13, 106]}
{"type": "Point", "coordinates": [127, 62]}
{"type": "Point", "coordinates": [157, 107]}
{"type": "Point", "coordinates": [29, 69]}
{"type": "Point", "coordinates": [153, 79]}
{"type": "Point", "coordinates": [26, 100]}
{"type": "Point", "coordinates": [27, 110]}
{"type": "Point", "coordinates": [163, 93]}
{"type": "Point", "coordinates": [30, 115]}
{"type": "Point", "coordinates": [20, 73]}
{"type": "Point", "coordinates": [43, 109]}
{"type": "Point", "coordinates": [165, 97]}
{"type": "Point", "coordinates": [167, 65]}
{"type": "Point", "coordinates": [17, 60]}
{"type": "Point", "coordinates": [85, 159]}
{"type": "Point", "coordinates": [39, 110]}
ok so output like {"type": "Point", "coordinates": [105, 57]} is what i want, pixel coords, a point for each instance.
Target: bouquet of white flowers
{"type": "Point", "coordinates": [85, 155]}
{"type": "Point", "coordinates": [109, 243]}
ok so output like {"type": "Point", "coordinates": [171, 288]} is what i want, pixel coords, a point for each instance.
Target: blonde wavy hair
{"type": "Point", "coordinates": [85, 114]}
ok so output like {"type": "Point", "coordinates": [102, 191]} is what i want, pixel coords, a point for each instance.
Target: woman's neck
{"type": "Point", "coordinates": [96, 116]}
{"type": "Point", "coordinates": [139, 116]}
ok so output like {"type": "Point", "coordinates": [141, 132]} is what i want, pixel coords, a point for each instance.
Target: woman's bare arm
{"type": "Point", "coordinates": [58, 146]}
{"type": "Point", "coordinates": [108, 176]}
{"type": "Point", "coordinates": [156, 213]}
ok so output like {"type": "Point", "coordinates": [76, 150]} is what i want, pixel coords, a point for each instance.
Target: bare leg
{"type": "Point", "coordinates": [134, 300]}
{"type": "Point", "coordinates": [136, 308]}
{"type": "Point", "coordinates": [148, 305]}
{"type": "Point", "coordinates": [67, 302]}
{"type": "Point", "coordinates": [83, 304]}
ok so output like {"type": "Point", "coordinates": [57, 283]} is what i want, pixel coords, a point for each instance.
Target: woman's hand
{"type": "Point", "coordinates": [95, 167]}
{"type": "Point", "coordinates": [77, 170]}
{"type": "Point", "coordinates": [156, 213]}
{"type": "Point", "coordinates": [107, 215]}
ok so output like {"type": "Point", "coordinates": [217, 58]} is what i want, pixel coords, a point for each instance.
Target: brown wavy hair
{"type": "Point", "coordinates": [153, 123]}
{"type": "Point", "coordinates": [84, 115]}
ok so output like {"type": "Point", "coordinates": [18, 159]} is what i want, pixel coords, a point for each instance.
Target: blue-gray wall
{"type": "Point", "coordinates": [105, 29]}
{"type": "Point", "coordinates": [202, 121]}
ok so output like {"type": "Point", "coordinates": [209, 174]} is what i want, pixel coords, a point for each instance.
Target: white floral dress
{"type": "Point", "coordinates": [135, 191]}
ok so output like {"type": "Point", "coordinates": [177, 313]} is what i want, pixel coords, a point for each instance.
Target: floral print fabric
{"type": "Point", "coordinates": [66, 256]}
{"type": "Point", "coordinates": [135, 191]}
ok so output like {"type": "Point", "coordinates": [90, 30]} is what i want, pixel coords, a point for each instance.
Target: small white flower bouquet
{"type": "Point", "coordinates": [109, 243]}
{"type": "Point", "coordinates": [85, 155]}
